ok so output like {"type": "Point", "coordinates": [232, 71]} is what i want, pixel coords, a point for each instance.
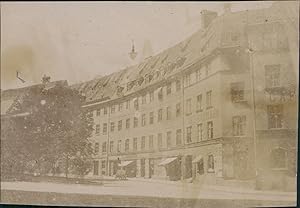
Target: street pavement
{"type": "Point", "coordinates": [152, 188]}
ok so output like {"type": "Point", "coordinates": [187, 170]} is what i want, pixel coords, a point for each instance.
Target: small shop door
{"type": "Point", "coordinates": [142, 167]}
{"type": "Point", "coordinates": [96, 167]}
{"type": "Point", "coordinates": [188, 166]}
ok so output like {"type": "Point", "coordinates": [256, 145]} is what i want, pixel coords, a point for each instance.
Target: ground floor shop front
{"type": "Point", "coordinates": [209, 163]}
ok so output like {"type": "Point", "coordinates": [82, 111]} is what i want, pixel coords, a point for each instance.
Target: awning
{"type": "Point", "coordinates": [167, 161]}
{"type": "Point", "coordinates": [197, 159]}
{"type": "Point", "coordinates": [125, 163]}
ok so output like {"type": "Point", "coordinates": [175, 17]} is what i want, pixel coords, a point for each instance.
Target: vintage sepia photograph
{"type": "Point", "coordinates": [149, 104]}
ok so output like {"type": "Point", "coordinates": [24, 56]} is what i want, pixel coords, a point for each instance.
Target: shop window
{"type": "Point", "coordinates": [239, 125]}
{"type": "Point", "coordinates": [237, 92]}
{"type": "Point", "coordinates": [275, 116]}
{"type": "Point", "coordinates": [210, 164]}
{"type": "Point", "coordinates": [278, 158]}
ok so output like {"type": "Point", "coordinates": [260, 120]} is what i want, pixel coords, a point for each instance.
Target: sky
{"type": "Point", "coordinates": [79, 41]}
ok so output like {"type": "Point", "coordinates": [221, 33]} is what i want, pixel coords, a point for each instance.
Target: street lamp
{"type": "Point", "coordinates": [250, 51]}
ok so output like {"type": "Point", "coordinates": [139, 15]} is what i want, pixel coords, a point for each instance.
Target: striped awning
{"type": "Point", "coordinates": [125, 163]}
{"type": "Point", "coordinates": [167, 161]}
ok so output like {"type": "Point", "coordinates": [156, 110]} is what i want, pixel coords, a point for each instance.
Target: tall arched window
{"type": "Point", "coordinates": [126, 145]}
{"type": "Point", "coordinates": [278, 158]}
{"type": "Point", "coordinates": [210, 164]}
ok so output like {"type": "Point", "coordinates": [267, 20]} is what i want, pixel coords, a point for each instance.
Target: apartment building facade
{"type": "Point", "coordinates": [219, 105]}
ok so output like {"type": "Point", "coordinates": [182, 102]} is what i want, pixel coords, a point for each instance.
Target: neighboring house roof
{"type": "Point", "coordinates": [11, 96]}
{"type": "Point", "coordinates": [5, 105]}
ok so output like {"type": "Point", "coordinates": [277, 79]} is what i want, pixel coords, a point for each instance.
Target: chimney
{"type": "Point", "coordinates": [207, 17]}
{"type": "Point", "coordinates": [45, 79]}
{"type": "Point", "coordinates": [227, 8]}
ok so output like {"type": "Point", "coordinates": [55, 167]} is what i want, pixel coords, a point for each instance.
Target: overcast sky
{"type": "Point", "coordinates": [81, 40]}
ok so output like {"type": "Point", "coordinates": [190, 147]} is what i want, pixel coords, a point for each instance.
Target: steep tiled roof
{"type": "Point", "coordinates": [174, 59]}
{"type": "Point", "coordinates": [149, 71]}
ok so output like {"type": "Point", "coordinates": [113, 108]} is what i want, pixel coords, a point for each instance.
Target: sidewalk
{"type": "Point", "coordinates": [228, 189]}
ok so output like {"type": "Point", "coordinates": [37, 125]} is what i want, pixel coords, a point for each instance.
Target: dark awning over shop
{"type": "Point", "coordinates": [197, 159]}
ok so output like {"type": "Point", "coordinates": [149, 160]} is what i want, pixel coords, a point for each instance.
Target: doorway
{"type": "Point", "coordinates": [96, 167]}
{"type": "Point", "coordinates": [151, 168]}
{"type": "Point", "coordinates": [142, 167]}
{"type": "Point", "coordinates": [188, 166]}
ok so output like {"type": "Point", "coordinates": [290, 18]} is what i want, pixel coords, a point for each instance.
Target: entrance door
{"type": "Point", "coordinates": [96, 167]}
{"type": "Point", "coordinates": [188, 166]}
{"type": "Point", "coordinates": [115, 167]}
{"type": "Point", "coordinates": [151, 168]}
{"type": "Point", "coordinates": [142, 167]}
